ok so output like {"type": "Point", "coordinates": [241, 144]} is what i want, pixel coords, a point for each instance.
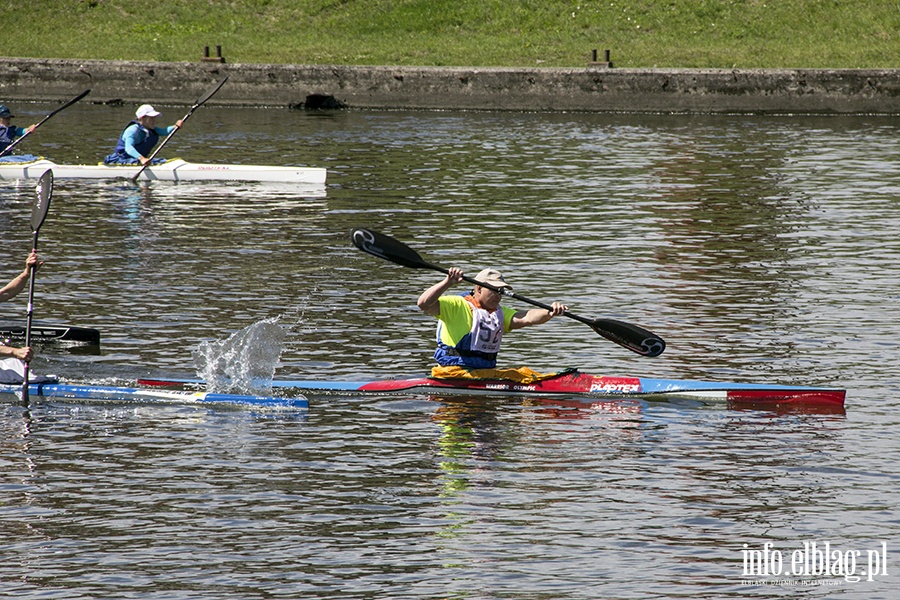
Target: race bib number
{"type": "Point", "coordinates": [487, 330]}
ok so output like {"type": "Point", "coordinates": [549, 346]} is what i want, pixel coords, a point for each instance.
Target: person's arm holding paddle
{"type": "Point", "coordinates": [9, 291]}
{"type": "Point", "coordinates": [21, 131]}
{"type": "Point", "coordinates": [9, 132]}
{"type": "Point", "coordinates": [429, 301]}
{"type": "Point", "coordinates": [167, 131]}
{"type": "Point", "coordinates": [25, 354]}
{"type": "Point", "coordinates": [536, 316]}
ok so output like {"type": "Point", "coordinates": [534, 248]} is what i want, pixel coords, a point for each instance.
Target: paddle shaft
{"type": "Point", "coordinates": [511, 294]}
{"type": "Point", "coordinates": [630, 336]}
{"type": "Point", "coordinates": [28, 319]}
{"type": "Point", "coordinates": [209, 94]}
{"type": "Point", "coordinates": [38, 215]}
{"type": "Point", "coordinates": [507, 292]}
{"type": "Point", "coordinates": [9, 148]}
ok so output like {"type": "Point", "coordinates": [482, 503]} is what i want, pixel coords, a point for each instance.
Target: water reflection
{"type": "Point", "coordinates": [727, 221]}
{"type": "Point", "coordinates": [471, 436]}
{"type": "Point", "coordinates": [477, 431]}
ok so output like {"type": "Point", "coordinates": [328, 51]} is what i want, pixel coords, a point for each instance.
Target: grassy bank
{"type": "Point", "coordinates": [559, 33]}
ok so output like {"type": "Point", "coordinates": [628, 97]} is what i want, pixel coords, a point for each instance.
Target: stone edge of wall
{"type": "Point", "coordinates": [589, 89]}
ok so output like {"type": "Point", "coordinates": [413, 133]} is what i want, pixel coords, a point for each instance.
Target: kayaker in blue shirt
{"type": "Point", "coordinates": [9, 132]}
{"type": "Point", "coordinates": [137, 141]}
{"type": "Point", "coordinates": [9, 291]}
{"type": "Point", "coordinates": [472, 326]}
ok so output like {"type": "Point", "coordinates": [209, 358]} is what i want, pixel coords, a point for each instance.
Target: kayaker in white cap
{"type": "Point", "coordinates": [137, 141]}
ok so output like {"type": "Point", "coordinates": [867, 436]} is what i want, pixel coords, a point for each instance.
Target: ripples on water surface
{"type": "Point", "coordinates": [762, 248]}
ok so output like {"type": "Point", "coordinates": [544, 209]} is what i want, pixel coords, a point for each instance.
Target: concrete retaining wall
{"type": "Point", "coordinates": [593, 89]}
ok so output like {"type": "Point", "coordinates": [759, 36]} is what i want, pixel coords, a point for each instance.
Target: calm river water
{"type": "Point", "coordinates": [763, 248]}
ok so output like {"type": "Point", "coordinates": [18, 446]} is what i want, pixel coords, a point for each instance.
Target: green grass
{"type": "Point", "coordinates": [559, 33]}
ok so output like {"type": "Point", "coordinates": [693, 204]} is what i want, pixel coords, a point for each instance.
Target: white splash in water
{"type": "Point", "coordinates": [244, 363]}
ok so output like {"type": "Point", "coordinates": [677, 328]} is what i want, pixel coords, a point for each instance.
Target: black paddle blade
{"type": "Point", "coordinates": [212, 91]}
{"type": "Point", "coordinates": [388, 248]}
{"type": "Point", "coordinates": [42, 200]}
{"type": "Point", "coordinates": [69, 103]}
{"type": "Point", "coordinates": [628, 335]}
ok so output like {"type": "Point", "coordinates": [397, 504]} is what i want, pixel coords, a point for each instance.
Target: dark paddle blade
{"type": "Point", "coordinates": [212, 92]}
{"type": "Point", "coordinates": [388, 248]}
{"type": "Point", "coordinates": [630, 336]}
{"type": "Point", "coordinates": [66, 105]}
{"type": "Point", "coordinates": [9, 148]}
{"type": "Point", "coordinates": [42, 201]}
{"type": "Point", "coordinates": [209, 94]}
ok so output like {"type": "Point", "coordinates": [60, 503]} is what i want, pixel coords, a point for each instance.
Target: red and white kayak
{"type": "Point", "coordinates": [575, 383]}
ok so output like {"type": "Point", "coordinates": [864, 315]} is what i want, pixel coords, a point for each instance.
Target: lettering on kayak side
{"type": "Point", "coordinates": [616, 385]}
{"type": "Point", "coordinates": [507, 387]}
{"type": "Point", "coordinates": [213, 168]}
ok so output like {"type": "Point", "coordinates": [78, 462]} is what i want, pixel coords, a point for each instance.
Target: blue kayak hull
{"type": "Point", "coordinates": [132, 394]}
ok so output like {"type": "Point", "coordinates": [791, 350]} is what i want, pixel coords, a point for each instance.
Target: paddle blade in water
{"type": "Point", "coordinates": [628, 335]}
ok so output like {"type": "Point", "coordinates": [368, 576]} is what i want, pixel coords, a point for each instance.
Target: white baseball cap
{"type": "Point", "coordinates": [145, 110]}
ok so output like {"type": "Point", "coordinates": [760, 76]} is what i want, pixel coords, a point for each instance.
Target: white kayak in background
{"type": "Point", "coordinates": [172, 170]}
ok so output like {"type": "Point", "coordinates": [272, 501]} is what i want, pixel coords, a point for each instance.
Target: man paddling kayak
{"type": "Point", "coordinates": [9, 132]}
{"type": "Point", "coordinates": [139, 138]}
{"type": "Point", "coordinates": [8, 292]}
{"type": "Point", "coordinates": [471, 327]}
